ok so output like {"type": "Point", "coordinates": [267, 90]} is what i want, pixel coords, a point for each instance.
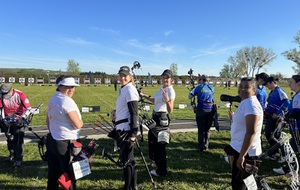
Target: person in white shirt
{"type": "Point", "coordinates": [157, 140]}
{"type": "Point", "coordinates": [64, 123]}
{"type": "Point", "coordinates": [126, 122]}
{"type": "Point", "coordinates": [245, 131]}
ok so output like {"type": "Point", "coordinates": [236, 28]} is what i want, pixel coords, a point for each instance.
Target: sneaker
{"type": "Point", "coordinates": [153, 164]}
{"type": "Point", "coordinates": [281, 160]}
{"type": "Point", "coordinates": [279, 170]}
{"type": "Point", "coordinates": [17, 163]}
{"type": "Point", "coordinates": [153, 172]}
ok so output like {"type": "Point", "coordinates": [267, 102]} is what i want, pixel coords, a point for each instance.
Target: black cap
{"type": "Point", "coordinates": [167, 72]}
{"type": "Point", "coordinates": [125, 70]}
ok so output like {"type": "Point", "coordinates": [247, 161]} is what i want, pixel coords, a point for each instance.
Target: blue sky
{"type": "Point", "coordinates": [102, 35]}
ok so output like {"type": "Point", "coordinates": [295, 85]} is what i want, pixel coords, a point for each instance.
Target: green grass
{"type": "Point", "coordinates": [105, 97]}
{"type": "Point", "coordinates": [188, 169]}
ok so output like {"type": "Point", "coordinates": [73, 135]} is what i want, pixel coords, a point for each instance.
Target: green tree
{"type": "Point", "coordinates": [73, 67]}
{"type": "Point", "coordinates": [249, 60]}
{"type": "Point", "coordinates": [294, 54]}
{"type": "Point", "coordinates": [174, 68]}
{"type": "Point", "coordinates": [226, 72]}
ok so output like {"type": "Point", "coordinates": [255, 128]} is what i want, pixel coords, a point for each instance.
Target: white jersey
{"type": "Point", "coordinates": [59, 125]}
{"type": "Point", "coordinates": [249, 106]}
{"type": "Point", "coordinates": [127, 93]}
{"type": "Point", "coordinates": [159, 102]}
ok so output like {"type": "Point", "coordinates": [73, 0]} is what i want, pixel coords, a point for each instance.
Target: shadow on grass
{"type": "Point", "coordinates": [188, 169]}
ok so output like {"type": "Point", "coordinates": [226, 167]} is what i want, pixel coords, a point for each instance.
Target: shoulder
{"type": "Point", "coordinates": [199, 86]}
{"type": "Point", "coordinates": [19, 93]}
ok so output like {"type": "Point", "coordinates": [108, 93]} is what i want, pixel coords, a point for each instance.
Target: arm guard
{"type": "Point", "coordinates": [133, 110]}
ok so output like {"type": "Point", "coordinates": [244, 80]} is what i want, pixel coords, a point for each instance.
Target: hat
{"type": "Point", "coordinates": [262, 76]}
{"type": "Point", "coordinates": [125, 70]}
{"type": "Point", "coordinates": [5, 90]}
{"type": "Point", "coordinates": [269, 79]}
{"type": "Point", "coordinates": [167, 72]}
{"type": "Point", "coordinates": [70, 81]}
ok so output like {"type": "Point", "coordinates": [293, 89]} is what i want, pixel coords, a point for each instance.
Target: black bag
{"type": "Point", "coordinates": [161, 118]}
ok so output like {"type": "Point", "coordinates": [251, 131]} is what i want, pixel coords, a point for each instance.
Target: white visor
{"type": "Point", "coordinates": [68, 82]}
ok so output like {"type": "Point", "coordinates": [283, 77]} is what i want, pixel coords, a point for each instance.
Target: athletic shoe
{"type": "Point", "coordinates": [153, 165]}
{"type": "Point", "coordinates": [17, 163]}
{"type": "Point", "coordinates": [279, 170]}
{"type": "Point", "coordinates": [281, 160]}
{"type": "Point", "coordinates": [153, 172]}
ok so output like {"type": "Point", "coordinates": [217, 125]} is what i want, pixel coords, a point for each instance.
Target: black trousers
{"type": "Point", "coordinates": [129, 164]}
{"type": "Point", "coordinates": [236, 182]}
{"type": "Point", "coordinates": [58, 162]}
{"type": "Point", "coordinates": [271, 125]}
{"type": "Point", "coordinates": [204, 122]}
{"type": "Point", "coordinates": [15, 141]}
{"type": "Point", "coordinates": [157, 152]}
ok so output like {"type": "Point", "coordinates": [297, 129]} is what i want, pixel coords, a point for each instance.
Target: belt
{"type": "Point", "coordinates": [121, 121]}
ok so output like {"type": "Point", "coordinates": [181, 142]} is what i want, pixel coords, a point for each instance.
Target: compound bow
{"type": "Point", "coordinates": [144, 118]}
{"type": "Point", "coordinates": [192, 80]}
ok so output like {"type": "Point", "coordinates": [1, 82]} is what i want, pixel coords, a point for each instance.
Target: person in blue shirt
{"type": "Point", "coordinates": [293, 120]}
{"type": "Point", "coordinates": [261, 92]}
{"type": "Point", "coordinates": [277, 104]}
{"type": "Point", "coordinates": [204, 111]}
{"type": "Point", "coordinates": [294, 107]}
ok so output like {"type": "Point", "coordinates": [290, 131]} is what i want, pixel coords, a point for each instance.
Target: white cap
{"type": "Point", "coordinates": [67, 82]}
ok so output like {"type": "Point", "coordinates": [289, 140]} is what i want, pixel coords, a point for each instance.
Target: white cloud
{"type": "Point", "coordinates": [167, 33]}
{"type": "Point", "coordinates": [218, 51]}
{"type": "Point", "coordinates": [76, 41]}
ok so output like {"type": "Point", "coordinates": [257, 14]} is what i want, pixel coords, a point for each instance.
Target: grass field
{"type": "Point", "coordinates": [105, 97]}
{"type": "Point", "coordinates": [188, 170]}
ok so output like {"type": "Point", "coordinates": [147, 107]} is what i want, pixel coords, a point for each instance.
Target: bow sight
{"type": "Point", "coordinates": [136, 65]}
{"type": "Point", "coordinates": [193, 101]}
